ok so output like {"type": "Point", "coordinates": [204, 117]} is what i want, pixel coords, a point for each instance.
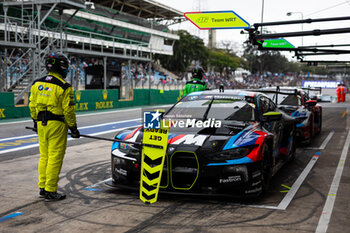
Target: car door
{"type": "Point", "coordinates": [275, 127]}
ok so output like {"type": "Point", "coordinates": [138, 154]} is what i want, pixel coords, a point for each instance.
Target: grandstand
{"type": "Point", "coordinates": [102, 42]}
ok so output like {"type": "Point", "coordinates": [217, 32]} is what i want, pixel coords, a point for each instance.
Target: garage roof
{"type": "Point", "coordinates": [142, 8]}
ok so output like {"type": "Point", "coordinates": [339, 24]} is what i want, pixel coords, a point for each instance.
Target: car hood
{"type": "Point", "coordinates": [229, 136]}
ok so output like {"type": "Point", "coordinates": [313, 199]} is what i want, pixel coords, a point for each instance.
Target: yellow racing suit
{"type": "Point", "coordinates": [52, 106]}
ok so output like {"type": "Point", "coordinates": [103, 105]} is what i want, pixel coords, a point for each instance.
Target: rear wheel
{"type": "Point", "coordinates": [293, 147]}
{"type": "Point", "coordinates": [266, 169]}
{"type": "Point", "coordinates": [319, 124]}
{"type": "Point", "coordinates": [308, 142]}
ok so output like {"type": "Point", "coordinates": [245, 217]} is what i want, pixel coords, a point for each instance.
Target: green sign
{"type": "Point", "coordinates": [276, 43]}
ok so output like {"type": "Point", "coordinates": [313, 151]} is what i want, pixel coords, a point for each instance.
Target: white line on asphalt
{"type": "Point", "coordinates": [264, 207]}
{"type": "Point", "coordinates": [85, 127]}
{"type": "Point", "coordinates": [328, 138]}
{"type": "Point", "coordinates": [328, 207]}
{"type": "Point", "coordinates": [19, 137]}
{"type": "Point", "coordinates": [324, 143]}
{"type": "Point", "coordinates": [293, 190]}
{"type": "Point", "coordinates": [19, 148]}
{"type": "Point", "coordinates": [36, 145]}
{"type": "Point", "coordinates": [15, 122]}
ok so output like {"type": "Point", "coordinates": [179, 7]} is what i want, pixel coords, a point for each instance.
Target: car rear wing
{"type": "Point", "coordinates": [277, 91]}
{"type": "Point", "coordinates": [318, 89]}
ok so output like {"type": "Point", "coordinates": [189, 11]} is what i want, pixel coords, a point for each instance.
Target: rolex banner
{"type": "Point", "coordinates": [152, 163]}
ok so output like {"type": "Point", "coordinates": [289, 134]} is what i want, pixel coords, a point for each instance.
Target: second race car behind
{"type": "Point", "coordinates": [297, 103]}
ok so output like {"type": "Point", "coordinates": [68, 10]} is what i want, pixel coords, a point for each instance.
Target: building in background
{"type": "Point", "coordinates": [104, 39]}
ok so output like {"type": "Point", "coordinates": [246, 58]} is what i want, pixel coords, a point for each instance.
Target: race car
{"type": "Point", "coordinates": [314, 93]}
{"type": "Point", "coordinates": [297, 103]}
{"type": "Point", "coordinates": [237, 157]}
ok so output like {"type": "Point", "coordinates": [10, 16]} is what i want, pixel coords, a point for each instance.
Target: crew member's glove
{"type": "Point", "coordinates": [35, 127]}
{"type": "Point", "coordinates": [74, 132]}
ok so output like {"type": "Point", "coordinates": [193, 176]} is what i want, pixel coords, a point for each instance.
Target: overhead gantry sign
{"type": "Point", "coordinates": [216, 20]}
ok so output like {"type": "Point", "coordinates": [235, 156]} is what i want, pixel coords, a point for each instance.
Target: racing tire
{"type": "Point", "coordinates": [293, 149]}
{"type": "Point", "coordinates": [266, 169]}
{"type": "Point", "coordinates": [319, 124]}
{"type": "Point", "coordinates": [308, 142]}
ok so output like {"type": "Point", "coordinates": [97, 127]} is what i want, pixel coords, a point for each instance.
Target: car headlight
{"type": "Point", "coordinates": [236, 153]}
{"type": "Point", "coordinates": [128, 149]}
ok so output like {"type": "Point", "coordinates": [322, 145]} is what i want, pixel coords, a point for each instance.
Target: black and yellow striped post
{"type": "Point", "coordinates": [152, 163]}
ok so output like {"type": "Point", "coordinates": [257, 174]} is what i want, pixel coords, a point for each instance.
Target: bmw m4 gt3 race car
{"type": "Point", "coordinates": [236, 158]}
{"type": "Point", "coordinates": [314, 93]}
{"type": "Point", "coordinates": [297, 103]}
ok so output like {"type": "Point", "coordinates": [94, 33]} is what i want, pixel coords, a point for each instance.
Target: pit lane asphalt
{"type": "Point", "coordinates": [93, 207]}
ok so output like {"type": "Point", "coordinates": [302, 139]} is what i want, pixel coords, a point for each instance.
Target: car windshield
{"type": "Point", "coordinates": [235, 108]}
{"type": "Point", "coordinates": [292, 100]}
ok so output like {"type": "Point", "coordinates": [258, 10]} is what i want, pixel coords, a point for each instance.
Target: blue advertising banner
{"type": "Point", "coordinates": [320, 83]}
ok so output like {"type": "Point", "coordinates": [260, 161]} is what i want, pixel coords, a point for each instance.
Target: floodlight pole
{"type": "Point", "coordinates": [262, 14]}
{"type": "Point", "coordinates": [302, 24]}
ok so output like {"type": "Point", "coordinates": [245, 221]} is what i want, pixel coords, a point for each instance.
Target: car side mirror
{"type": "Point", "coordinates": [311, 103]}
{"type": "Point", "coordinates": [272, 116]}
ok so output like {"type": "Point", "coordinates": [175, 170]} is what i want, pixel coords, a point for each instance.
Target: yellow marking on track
{"type": "Point", "coordinates": [285, 186]}
{"type": "Point", "coordinates": [342, 116]}
{"type": "Point", "coordinates": [18, 142]}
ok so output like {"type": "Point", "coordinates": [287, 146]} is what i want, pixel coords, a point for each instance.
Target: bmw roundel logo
{"type": "Point", "coordinates": [40, 87]}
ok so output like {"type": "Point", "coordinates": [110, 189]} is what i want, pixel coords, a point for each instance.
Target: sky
{"type": "Point", "coordinates": [274, 10]}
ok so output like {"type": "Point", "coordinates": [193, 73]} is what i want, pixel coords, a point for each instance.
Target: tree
{"type": "Point", "coordinates": [229, 46]}
{"type": "Point", "coordinates": [250, 54]}
{"type": "Point", "coordinates": [221, 60]}
{"type": "Point", "coordinates": [274, 62]}
{"type": "Point", "coordinates": [187, 49]}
